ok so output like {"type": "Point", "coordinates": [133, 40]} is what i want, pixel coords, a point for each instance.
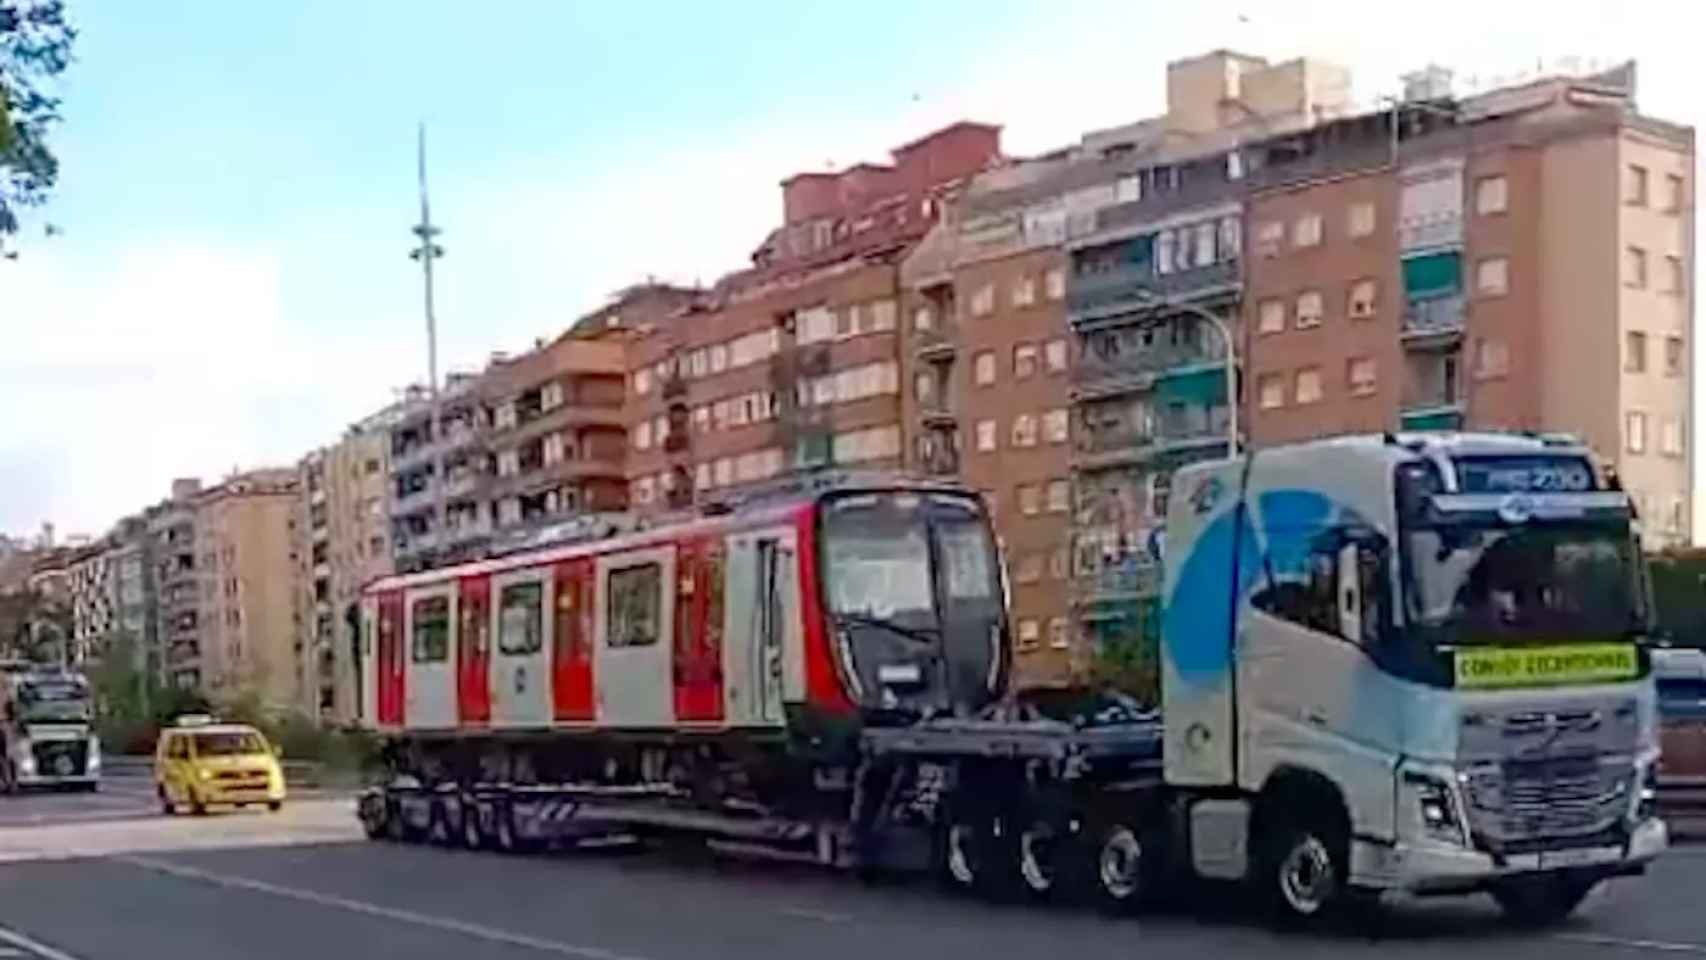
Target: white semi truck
{"type": "Point", "coordinates": [47, 730]}
{"type": "Point", "coordinates": [1389, 663]}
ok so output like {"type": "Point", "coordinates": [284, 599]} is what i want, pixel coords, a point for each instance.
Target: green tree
{"type": "Point", "coordinates": [35, 48]}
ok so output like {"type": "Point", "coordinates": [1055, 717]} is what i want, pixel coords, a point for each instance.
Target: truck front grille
{"type": "Point", "coordinates": [1558, 798]}
{"type": "Point", "coordinates": [61, 758]}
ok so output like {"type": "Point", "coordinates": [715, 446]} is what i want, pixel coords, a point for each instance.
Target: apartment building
{"type": "Point", "coordinates": [796, 363]}
{"type": "Point", "coordinates": [438, 497]}
{"type": "Point", "coordinates": [112, 597]}
{"type": "Point", "coordinates": [249, 580]}
{"type": "Point", "coordinates": [1520, 260]}
{"type": "Point", "coordinates": [556, 434]}
{"type": "Point", "coordinates": [342, 540]}
{"type": "Point", "coordinates": [180, 623]}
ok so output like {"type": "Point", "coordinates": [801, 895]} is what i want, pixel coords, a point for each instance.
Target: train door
{"type": "Point", "coordinates": [521, 677]}
{"type": "Point", "coordinates": [697, 670]}
{"type": "Point", "coordinates": [429, 700]}
{"type": "Point", "coordinates": [631, 657]}
{"type": "Point", "coordinates": [388, 665]}
{"type": "Point", "coordinates": [474, 651]}
{"type": "Point", "coordinates": [755, 624]}
{"type": "Point", "coordinates": [572, 636]}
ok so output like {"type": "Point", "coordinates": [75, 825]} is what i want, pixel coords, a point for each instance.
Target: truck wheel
{"type": "Point", "coordinates": [1302, 872]}
{"type": "Point", "coordinates": [371, 811]}
{"type": "Point", "coordinates": [1541, 901]}
{"type": "Point", "coordinates": [979, 855]}
{"type": "Point", "coordinates": [1113, 866]}
{"type": "Point", "coordinates": [509, 840]}
{"type": "Point", "coordinates": [473, 838]}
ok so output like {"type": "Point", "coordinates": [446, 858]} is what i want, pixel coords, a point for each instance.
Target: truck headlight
{"type": "Point", "coordinates": [204, 774]}
{"type": "Point", "coordinates": [1435, 806]}
{"type": "Point", "coordinates": [27, 765]}
{"type": "Point", "coordinates": [94, 764]}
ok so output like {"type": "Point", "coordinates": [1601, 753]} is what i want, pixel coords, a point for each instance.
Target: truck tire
{"type": "Point", "coordinates": [1542, 901]}
{"type": "Point", "coordinates": [1113, 866]}
{"type": "Point", "coordinates": [447, 827]}
{"type": "Point", "coordinates": [1042, 846]}
{"type": "Point", "coordinates": [506, 838]}
{"type": "Point", "coordinates": [979, 854]}
{"type": "Point", "coordinates": [1301, 871]}
{"type": "Point", "coordinates": [473, 836]}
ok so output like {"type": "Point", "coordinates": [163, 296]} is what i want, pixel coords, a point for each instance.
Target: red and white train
{"type": "Point", "coordinates": [741, 648]}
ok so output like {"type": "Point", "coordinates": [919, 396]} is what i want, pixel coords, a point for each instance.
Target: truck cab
{"type": "Point", "coordinates": [1410, 662]}
{"type": "Point", "coordinates": [46, 722]}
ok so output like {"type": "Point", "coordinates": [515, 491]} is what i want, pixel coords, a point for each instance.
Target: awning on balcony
{"type": "Point", "coordinates": [1433, 275]}
{"type": "Point", "coordinates": [1205, 388]}
{"type": "Point", "coordinates": [1433, 420]}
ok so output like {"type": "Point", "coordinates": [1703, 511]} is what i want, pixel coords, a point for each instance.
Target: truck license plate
{"type": "Point", "coordinates": [1584, 857]}
{"type": "Point", "coordinates": [898, 673]}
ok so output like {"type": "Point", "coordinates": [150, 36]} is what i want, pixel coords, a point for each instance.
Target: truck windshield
{"type": "Point", "coordinates": [1539, 583]}
{"type": "Point", "coordinates": [43, 701]}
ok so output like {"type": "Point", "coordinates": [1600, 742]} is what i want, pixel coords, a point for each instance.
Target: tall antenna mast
{"type": "Point", "coordinates": [426, 253]}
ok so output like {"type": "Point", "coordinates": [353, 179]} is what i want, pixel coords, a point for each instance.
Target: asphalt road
{"type": "Point", "coordinates": [104, 875]}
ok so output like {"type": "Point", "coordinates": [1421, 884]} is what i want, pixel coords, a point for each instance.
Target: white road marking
{"type": "Point", "coordinates": [807, 913]}
{"type": "Point", "coordinates": [1631, 943]}
{"type": "Point", "coordinates": [466, 928]}
{"type": "Point", "coordinates": [22, 946]}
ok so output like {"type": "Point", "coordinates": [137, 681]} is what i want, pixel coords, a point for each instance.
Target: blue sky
{"type": "Point", "coordinates": [232, 284]}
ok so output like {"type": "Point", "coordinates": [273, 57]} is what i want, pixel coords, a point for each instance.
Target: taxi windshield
{"type": "Point", "coordinates": [228, 744]}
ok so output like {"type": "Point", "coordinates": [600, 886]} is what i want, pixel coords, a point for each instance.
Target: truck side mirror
{"type": "Point", "coordinates": [1350, 598]}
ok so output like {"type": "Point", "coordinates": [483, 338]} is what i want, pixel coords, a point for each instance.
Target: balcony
{"type": "Point", "coordinates": [1117, 582]}
{"type": "Point", "coordinates": [1125, 445]}
{"type": "Point", "coordinates": [1094, 298]}
{"type": "Point", "coordinates": [676, 441]}
{"type": "Point", "coordinates": [317, 497]}
{"type": "Point", "coordinates": [674, 386]}
{"type": "Point", "coordinates": [1144, 370]}
{"type": "Point", "coordinates": [413, 501]}
{"type": "Point", "coordinates": [938, 411]}
{"type": "Point", "coordinates": [467, 532]}
{"type": "Point", "coordinates": [937, 343]}
{"type": "Point", "coordinates": [1433, 324]}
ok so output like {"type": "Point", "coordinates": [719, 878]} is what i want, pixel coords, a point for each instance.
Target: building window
{"type": "Point", "coordinates": [1635, 431]}
{"type": "Point", "coordinates": [924, 385]}
{"type": "Point", "coordinates": [880, 313]}
{"type": "Point", "coordinates": [1635, 186]}
{"type": "Point", "coordinates": [1024, 360]}
{"type": "Point", "coordinates": [642, 382]}
{"type": "Point", "coordinates": [1029, 635]}
{"type": "Point", "coordinates": [1673, 356]}
{"type": "Point", "coordinates": [1359, 375]}
{"type": "Point", "coordinates": [1028, 568]}
{"type": "Point", "coordinates": [1054, 284]}
{"type": "Point", "coordinates": [642, 439]}
{"type": "Point", "coordinates": [983, 301]}
{"type": "Point", "coordinates": [1635, 268]}
{"type": "Point", "coordinates": [1030, 499]}
{"type": "Point", "coordinates": [923, 319]}
{"type": "Point", "coordinates": [1673, 193]}
{"type": "Point", "coordinates": [1270, 391]}
{"type": "Point", "coordinates": [1054, 355]}
{"type": "Point", "coordinates": [1025, 430]}
{"type": "Point", "coordinates": [1673, 276]}
{"type": "Point", "coordinates": [1491, 195]}
{"type": "Point", "coordinates": [983, 368]}
{"type": "Point", "coordinates": [1360, 304]}
{"type": "Point", "coordinates": [1269, 236]}
{"type": "Point", "coordinates": [1059, 496]}
{"type": "Point", "coordinates": [986, 435]}
{"type": "Point", "coordinates": [1309, 309]}
{"type": "Point", "coordinates": [1024, 292]}
{"type": "Point", "coordinates": [1492, 358]}
{"type": "Point", "coordinates": [1670, 437]}
{"type": "Point", "coordinates": [1055, 428]}
{"type": "Point", "coordinates": [1309, 385]}
{"type": "Point", "coordinates": [1059, 563]}
{"type": "Point", "coordinates": [1359, 220]}
{"type": "Point", "coordinates": [1058, 637]}
{"type": "Point", "coordinates": [1492, 276]}
{"type": "Point", "coordinates": [1270, 316]}
{"type": "Point", "coordinates": [1634, 352]}
{"type": "Point", "coordinates": [1675, 520]}
{"type": "Point", "coordinates": [1306, 231]}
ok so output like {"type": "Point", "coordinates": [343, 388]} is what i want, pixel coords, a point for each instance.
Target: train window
{"type": "Point", "coordinates": [968, 558]}
{"type": "Point", "coordinates": [431, 631]}
{"type": "Point", "coordinates": [521, 627]}
{"type": "Point", "coordinates": [635, 603]}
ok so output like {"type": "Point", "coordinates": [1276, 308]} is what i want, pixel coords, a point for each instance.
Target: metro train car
{"type": "Point", "coordinates": [736, 654]}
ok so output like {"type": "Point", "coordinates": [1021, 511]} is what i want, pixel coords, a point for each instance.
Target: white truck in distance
{"type": "Point", "coordinates": [47, 730]}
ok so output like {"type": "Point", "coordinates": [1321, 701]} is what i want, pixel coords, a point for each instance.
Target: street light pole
{"type": "Point", "coordinates": [426, 253]}
{"type": "Point", "coordinates": [1220, 326]}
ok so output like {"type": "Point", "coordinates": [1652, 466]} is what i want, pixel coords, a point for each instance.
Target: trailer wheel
{"type": "Point", "coordinates": [370, 809]}
{"type": "Point", "coordinates": [395, 830]}
{"type": "Point", "coordinates": [473, 837]}
{"type": "Point", "coordinates": [1542, 901]}
{"type": "Point", "coordinates": [959, 855]}
{"type": "Point", "coordinates": [979, 854]}
{"type": "Point", "coordinates": [507, 838]}
{"type": "Point", "coordinates": [446, 829]}
{"type": "Point", "coordinates": [1041, 847]}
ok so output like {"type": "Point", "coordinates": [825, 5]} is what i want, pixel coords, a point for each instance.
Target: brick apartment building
{"type": "Point", "coordinates": [796, 362]}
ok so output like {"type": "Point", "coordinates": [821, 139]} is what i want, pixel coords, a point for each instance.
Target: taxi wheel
{"type": "Point", "coordinates": [275, 805]}
{"type": "Point", "coordinates": [167, 807]}
{"type": "Point", "coordinates": [197, 807]}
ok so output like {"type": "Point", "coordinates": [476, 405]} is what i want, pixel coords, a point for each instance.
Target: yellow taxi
{"type": "Point", "coordinates": [201, 762]}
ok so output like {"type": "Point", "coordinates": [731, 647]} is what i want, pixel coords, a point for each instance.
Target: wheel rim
{"type": "Point", "coordinates": [1120, 863]}
{"type": "Point", "coordinates": [1306, 876]}
{"type": "Point", "coordinates": [1036, 857]}
{"type": "Point", "coordinates": [962, 865]}
{"type": "Point", "coordinates": [471, 827]}
{"type": "Point", "coordinates": [506, 832]}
